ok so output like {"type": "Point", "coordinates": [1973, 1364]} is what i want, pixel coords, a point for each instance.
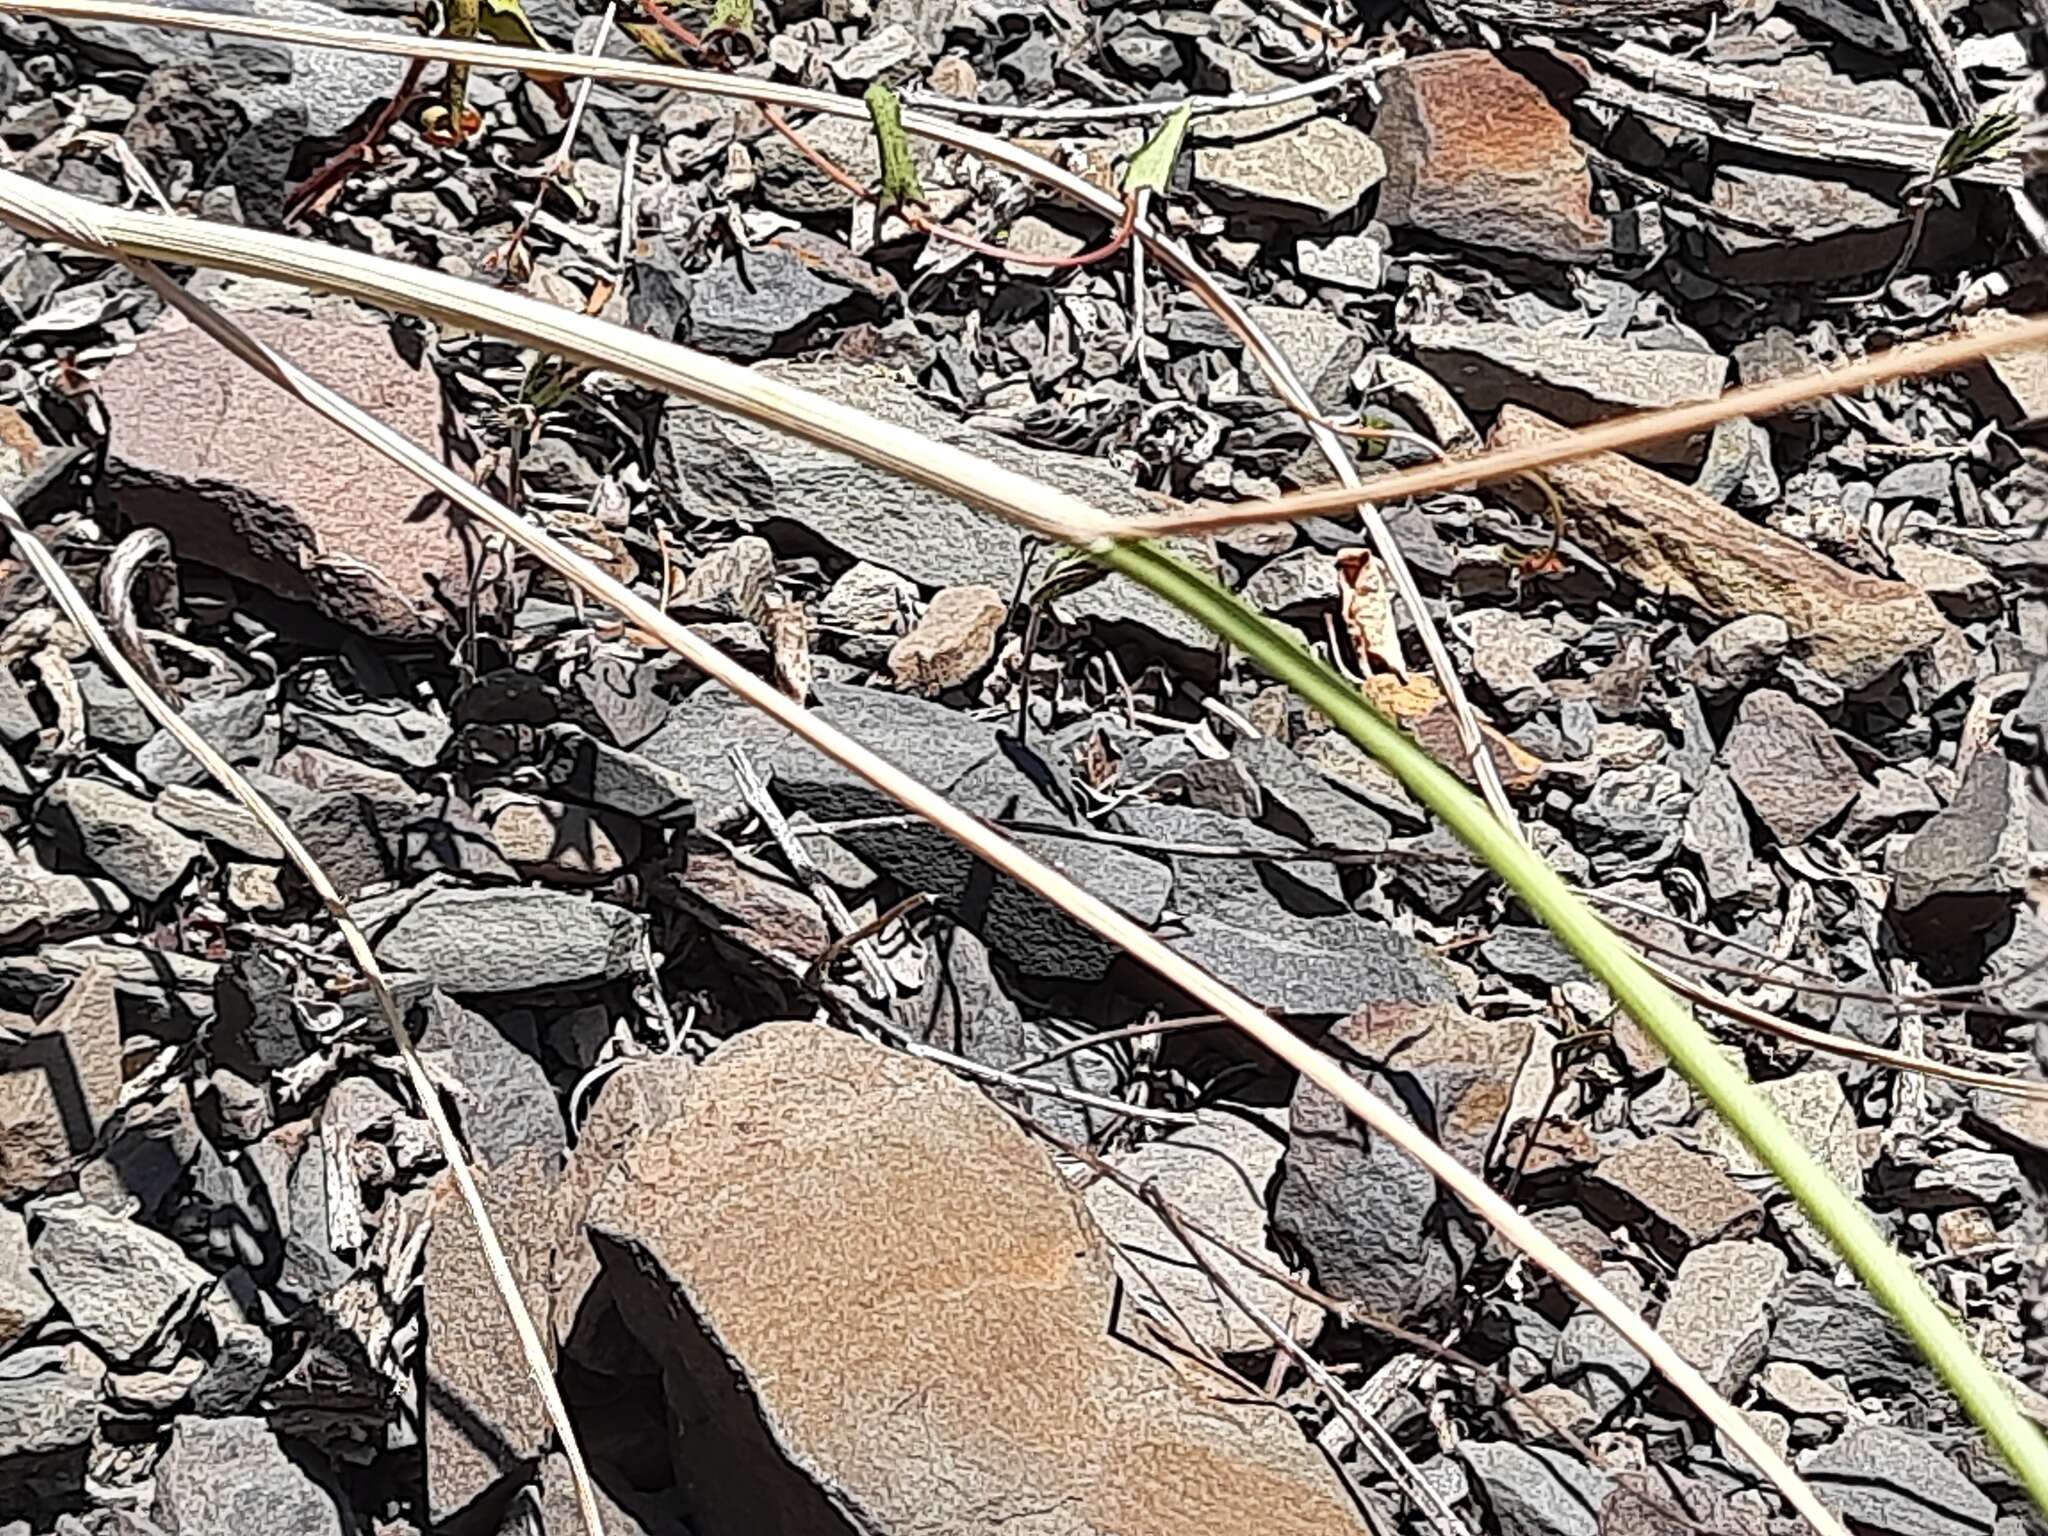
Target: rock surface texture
{"type": "Point", "coordinates": [968, 1378]}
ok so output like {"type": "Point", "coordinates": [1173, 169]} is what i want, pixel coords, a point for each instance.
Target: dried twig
{"type": "Point", "coordinates": [1372, 1434]}
{"type": "Point", "coordinates": [1948, 353]}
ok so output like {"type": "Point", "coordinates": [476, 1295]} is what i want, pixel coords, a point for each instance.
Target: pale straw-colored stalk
{"type": "Point", "coordinates": [126, 235]}
{"type": "Point", "coordinates": [1172, 256]}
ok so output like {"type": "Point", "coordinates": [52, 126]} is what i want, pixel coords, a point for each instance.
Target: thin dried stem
{"type": "Point", "coordinates": [984, 485]}
{"type": "Point", "coordinates": [1945, 354]}
{"type": "Point", "coordinates": [1170, 254]}
{"type": "Point", "coordinates": [79, 612]}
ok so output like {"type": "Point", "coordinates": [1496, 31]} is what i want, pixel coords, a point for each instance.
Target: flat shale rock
{"type": "Point", "coordinates": [1687, 1192]}
{"type": "Point", "coordinates": [332, 87]}
{"type": "Point", "coordinates": [38, 905]}
{"type": "Point", "coordinates": [969, 761]}
{"type": "Point", "coordinates": [124, 1287]}
{"type": "Point", "coordinates": [1217, 1172]}
{"type": "Point", "coordinates": [23, 1301]}
{"type": "Point", "coordinates": [1788, 766]}
{"type": "Point", "coordinates": [509, 1110]}
{"type": "Point", "coordinates": [502, 940]}
{"type": "Point", "coordinates": [1843, 1331]}
{"type": "Point", "coordinates": [952, 642]}
{"type": "Point", "coordinates": [722, 468]}
{"type": "Point", "coordinates": [1814, 1106]}
{"type": "Point", "coordinates": [934, 1355]}
{"type": "Point", "coordinates": [761, 302]}
{"type": "Point", "coordinates": [1717, 1315]}
{"type": "Point", "coordinates": [1368, 1217]}
{"type": "Point", "coordinates": [1893, 1482]}
{"type": "Point", "coordinates": [2012, 386]}
{"type": "Point", "coordinates": [1576, 380]}
{"type": "Point", "coordinates": [246, 479]}
{"type": "Point", "coordinates": [485, 1426]}
{"type": "Point", "coordinates": [1306, 176]}
{"type": "Point", "coordinates": [58, 1085]}
{"type": "Point", "coordinates": [1806, 228]}
{"type": "Point", "coordinates": [1538, 1492]}
{"type": "Point", "coordinates": [119, 835]}
{"type": "Point", "coordinates": [1668, 538]}
{"type": "Point", "coordinates": [49, 1410]}
{"type": "Point", "coordinates": [1479, 156]}
{"type": "Point", "coordinates": [1282, 935]}
{"type": "Point", "coordinates": [229, 1477]}
{"type": "Point", "coordinates": [1958, 874]}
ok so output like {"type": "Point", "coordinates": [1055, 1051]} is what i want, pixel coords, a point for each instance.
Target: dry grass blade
{"type": "Point", "coordinates": [1172, 256]}
{"type": "Point", "coordinates": [75, 608]}
{"type": "Point", "coordinates": [1957, 350]}
{"type": "Point", "coordinates": [981, 485]}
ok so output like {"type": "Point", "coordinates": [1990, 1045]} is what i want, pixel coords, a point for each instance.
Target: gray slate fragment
{"type": "Point", "coordinates": [1309, 175]}
{"type": "Point", "coordinates": [119, 835]}
{"type": "Point", "coordinates": [1843, 1331]}
{"type": "Point", "coordinates": [210, 814]}
{"type": "Point", "coordinates": [1892, 796]}
{"type": "Point", "coordinates": [381, 733]}
{"type": "Point", "coordinates": [1575, 381]}
{"type": "Point", "coordinates": [757, 303]}
{"type": "Point", "coordinates": [1305, 803]}
{"type": "Point", "coordinates": [1300, 582]}
{"type": "Point", "coordinates": [1738, 655]}
{"type": "Point", "coordinates": [511, 940]}
{"type": "Point", "coordinates": [241, 727]}
{"type": "Point", "coordinates": [1532, 954]}
{"type": "Point", "coordinates": [23, 1301]}
{"type": "Point", "coordinates": [568, 763]}
{"type": "Point", "coordinates": [1893, 1482]}
{"type": "Point", "coordinates": [713, 466]}
{"type": "Point", "coordinates": [1633, 818]}
{"type": "Point", "coordinates": [1868, 24]}
{"type": "Point", "coordinates": [962, 1007]}
{"type": "Point", "coordinates": [1595, 1361]}
{"type": "Point", "coordinates": [159, 990]}
{"type": "Point", "coordinates": [229, 1477]}
{"type": "Point", "coordinates": [1717, 834]}
{"type": "Point", "coordinates": [38, 906]}
{"type": "Point", "coordinates": [1538, 1492]}
{"type": "Point", "coordinates": [1717, 1315]}
{"type": "Point", "coordinates": [1280, 933]}
{"type": "Point", "coordinates": [965, 759]}
{"type": "Point", "coordinates": [1976, 847]}
{"type": "Point", "coordinates": [112, 716]}
{"type": "Point", "coordinates": [123, 1286]}
{"type": "Point", "coordinates": [1370, 1220]}
{"type": "Point", "coordinates": [510, 1106]}
{"type": "Point", "coordinates": [1788, 766]}
{"type": "Point", "coordinates": [49, 1409]}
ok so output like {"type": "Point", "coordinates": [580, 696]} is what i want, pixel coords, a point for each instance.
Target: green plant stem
{"type": "Point", "coordinates": [1609, 958]}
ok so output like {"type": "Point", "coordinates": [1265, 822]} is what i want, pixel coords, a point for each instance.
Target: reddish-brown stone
{"type": "Point", "coordinates": [1478, 155]}
{"type": "Point", "coordinates": [244, 478]}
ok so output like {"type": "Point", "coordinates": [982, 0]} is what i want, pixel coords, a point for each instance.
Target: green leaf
{"type": "Point", "coordinates": [900, 186]}
{"type": "Point", "coordinates": [1974, 143]}
{"type": "Point", "coordinates": [505, 21]}
{"type": "Point", "coordinates": [1151, 167]}
{"type": "Point", "coordinates": [1375, 447]}
{"type": "Point", "coordinates": [735, 16]}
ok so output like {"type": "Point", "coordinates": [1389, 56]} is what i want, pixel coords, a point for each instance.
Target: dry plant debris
{"type": "Point", "coordinates": [1782, 689]}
